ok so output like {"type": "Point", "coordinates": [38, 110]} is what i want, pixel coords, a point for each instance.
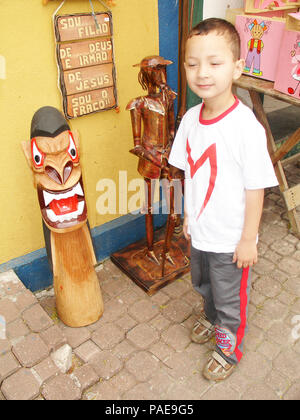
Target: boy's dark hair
{"type": "Point", "coordinates": [220, 27]}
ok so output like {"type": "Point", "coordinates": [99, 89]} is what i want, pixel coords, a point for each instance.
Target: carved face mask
{"type": "Point", "coordinates": [53, 156]}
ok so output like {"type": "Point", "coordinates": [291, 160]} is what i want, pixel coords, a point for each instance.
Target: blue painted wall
{"type": "Point", "coordinates": [168, 39]}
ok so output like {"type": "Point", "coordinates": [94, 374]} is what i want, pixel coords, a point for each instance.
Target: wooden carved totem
{"type": "Point", "coordinates": [53, 156]}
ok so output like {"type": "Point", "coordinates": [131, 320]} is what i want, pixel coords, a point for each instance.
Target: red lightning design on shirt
{"type": "Point", "coordinates": [211, 154]}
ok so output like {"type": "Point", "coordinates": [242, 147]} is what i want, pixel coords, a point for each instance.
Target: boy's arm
{"type": "Point", "coordinates": [246, 252]}
{"type": "Point", "coordinates": [186, 225]}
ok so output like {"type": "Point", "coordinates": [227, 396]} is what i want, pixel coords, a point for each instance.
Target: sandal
{"type": "Point", "coordinates": [202, 331]}
{"type": "Point", "coordinates": [217, 369]}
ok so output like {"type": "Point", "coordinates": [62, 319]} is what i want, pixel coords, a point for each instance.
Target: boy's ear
{"type": "Point", "coordinates": [239, 67]}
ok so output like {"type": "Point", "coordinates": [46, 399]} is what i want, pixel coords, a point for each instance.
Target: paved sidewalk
{"type": "Point", "coordinates": [141, 349]}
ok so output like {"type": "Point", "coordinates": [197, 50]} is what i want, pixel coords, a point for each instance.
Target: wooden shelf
{"type": "Point", "coordinates": [291, 196]}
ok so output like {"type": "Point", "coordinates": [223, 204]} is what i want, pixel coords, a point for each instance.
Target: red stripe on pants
{"type": "Point", "coordinates": [243, 307]}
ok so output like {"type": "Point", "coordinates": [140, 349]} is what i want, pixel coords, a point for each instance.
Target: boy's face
{"type": "Point", "coordinates": [210, 66]}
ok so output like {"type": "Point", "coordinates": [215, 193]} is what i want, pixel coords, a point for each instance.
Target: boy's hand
{"type": "Point", "coordinates": [245, 254]}
{"type": "Point", "coordinates": [185, 228]}
{"type": "Point", "coordinates": [246, 251]}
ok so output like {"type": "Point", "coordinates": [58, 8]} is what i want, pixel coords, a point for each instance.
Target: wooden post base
{"type": "Point", "coordinates": [135, 263]}
{"type": "Point", "coordinates": [76, 285]}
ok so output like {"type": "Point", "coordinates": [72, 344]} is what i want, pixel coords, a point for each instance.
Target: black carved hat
{"type": "Point", "coordinates": [48, 122]}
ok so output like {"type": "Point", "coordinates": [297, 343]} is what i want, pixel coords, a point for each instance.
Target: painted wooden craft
{"type": "Point", "coordinates": [53, 156]}
{"type": "Point", "coordinates": [264, 6]}
{"type": "Point", "coordinates": [260, 38]}
{"type": "Point", "coordinates": [153, 127]}
{"type": "Point", "coordinates": [288, 70]}
{"type": "Point", "coordinates": [231, 14]}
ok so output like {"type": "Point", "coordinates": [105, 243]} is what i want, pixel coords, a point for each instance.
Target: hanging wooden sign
{"type": "Point", "coordinates": [93, 101]}
{"type": "Point", "coordinates": [82, 26]}
{"type": "Point", "coordinates": [86, 63]}
{"type": "Point", "coordinates": [88, 78]}
{"type": "Point", "coordinates": [87, 53]}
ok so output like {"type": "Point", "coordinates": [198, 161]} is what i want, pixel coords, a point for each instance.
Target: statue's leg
{"type": "Point", "coordinates": [172, 217]}
{"type": "Point", "coordinates": [176, 177]}
{"type": "Point", "coordinates": [178, 196]}
{"type": "Point", "coordinates": [149, 222]}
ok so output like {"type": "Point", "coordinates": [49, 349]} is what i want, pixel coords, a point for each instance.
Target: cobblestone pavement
{"type": "Point", "coordinates": [141, 348]}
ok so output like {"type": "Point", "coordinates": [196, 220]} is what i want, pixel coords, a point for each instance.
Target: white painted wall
{"type": "Point", "coordinates": [217, 8]}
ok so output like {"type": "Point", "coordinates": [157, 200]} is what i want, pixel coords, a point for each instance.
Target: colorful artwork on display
{"type": "Point", "coordinates": [260, 38]}
{"type": "Point", "coordinates": [262, 6]}
{"type": "Point", "coordinates": [288, 69]}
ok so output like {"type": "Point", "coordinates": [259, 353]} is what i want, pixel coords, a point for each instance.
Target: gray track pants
{"type": "Point", "coordinates": [225, 289]}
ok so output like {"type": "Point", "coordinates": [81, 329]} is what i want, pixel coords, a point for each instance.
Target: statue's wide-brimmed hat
{"type": "Point", "coordinates": [153, 61]}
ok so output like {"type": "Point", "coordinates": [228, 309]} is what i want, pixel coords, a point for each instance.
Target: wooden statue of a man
{"type": "Point", "coordinates": [153, 126]}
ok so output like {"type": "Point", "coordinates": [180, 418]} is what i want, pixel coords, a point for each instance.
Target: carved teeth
{"type": "Point", "coordinates": [48, 197]}
{"type": "Point", "coordinates": [65, 217]}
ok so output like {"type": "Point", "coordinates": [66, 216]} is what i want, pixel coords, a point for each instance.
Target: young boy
{"type": "Point", "coordinates": [222, 149]}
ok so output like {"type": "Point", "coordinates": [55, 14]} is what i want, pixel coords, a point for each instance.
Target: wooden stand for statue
{"type": "Point", "coordinates": [76, 285]}
{"type": "Point", "coordinates": [135, 263]}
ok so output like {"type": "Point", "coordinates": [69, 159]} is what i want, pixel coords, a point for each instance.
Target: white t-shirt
{"type": "Point", "coordinates": [221, 158]}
